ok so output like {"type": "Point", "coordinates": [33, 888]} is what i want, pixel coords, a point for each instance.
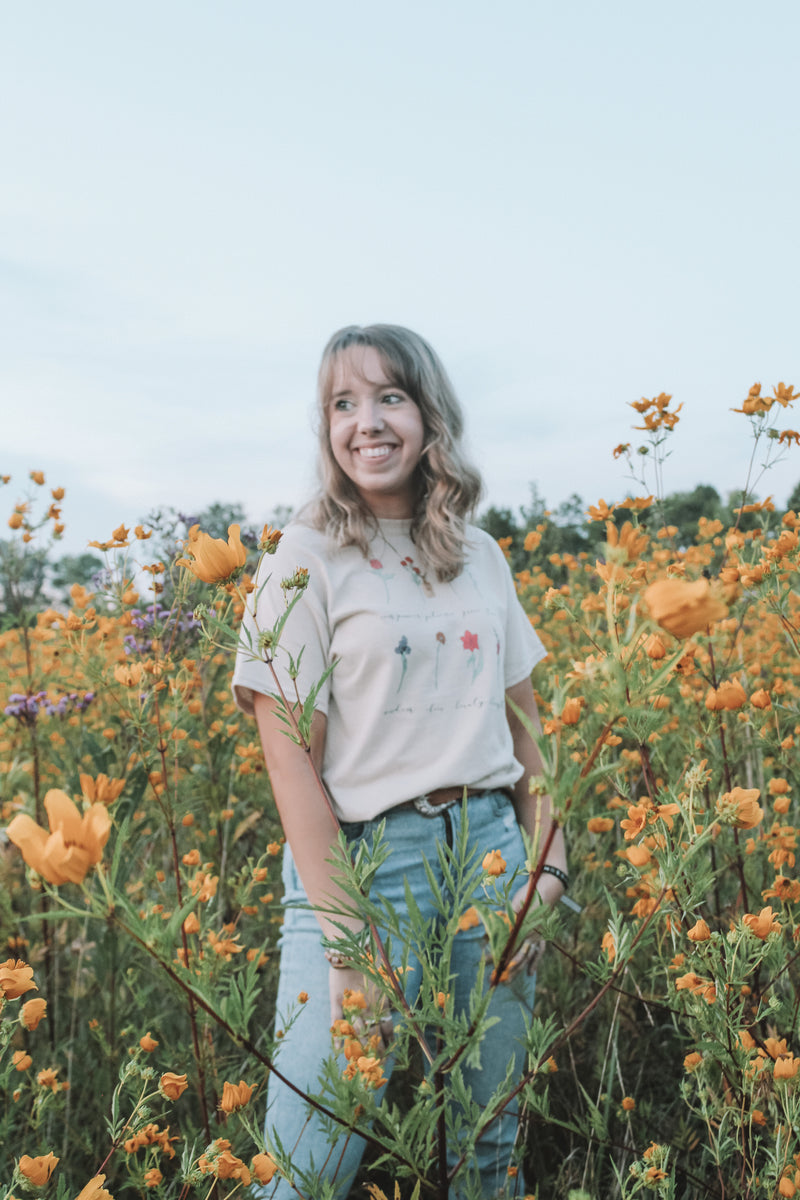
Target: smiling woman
{"type": "Point", "coordinates": [417, 609]}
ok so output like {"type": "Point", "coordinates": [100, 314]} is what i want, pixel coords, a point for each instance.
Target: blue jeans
{"type": "Point", "coordinates": [307, 1043]}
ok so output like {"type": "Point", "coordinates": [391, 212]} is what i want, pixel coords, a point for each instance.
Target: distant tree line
{"type": "Point", "coordinates": [31, 579]}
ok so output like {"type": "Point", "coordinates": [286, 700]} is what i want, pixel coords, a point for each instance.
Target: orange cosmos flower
{"type": "Point", "coordinates": [778, 786]}
{"type": "Point", "coordinates": [683, 608]}
{"type": "Point", "coordinates": [764, 924]}
{"type": "Point", "coordinates": [600, 512]}
{"type": "Point", "coordinates": [692, 1061]}
{"type": "Point", "coordinates": [469, 920]}
{"type": "Point", "coordinates": [268, 542]}
{"type": "Point", "coordinates": [235, 1096]}
{"type": "Point", "coordinates": [494, 863]}
{"type": "Point", "coordinates": [48, 1078]}
{"type": "Point", "coordinates": [600, 824]}
{"type": "Point", "coordinates": [38, 1170]}
{"type": "Point", "coordinates": [37, 477]}
{"type": "Point", "coordinates": [634, 823]}
{"type": "Point", "coordinates": [571, 711]}
{"type": "Point", "coordinates": [16, 978]}
{"type": "Point", "coordinates": [699, 932]}
{"type": "Point", "coordinates": [148, 1043]}
{"type": "Point", "coordinates": [740, 808]}
{"type": "Point", "coordinates": [729, 695]}
{"type": "Point", "coordinates": [698, 986]}
{"type": "Point", "coordinates": [786, 1067]}
{"type": "Point", "coordinates": [609, 945]}
{"type": "Point", "coordinates": [94, 1190]}
{"type": "Point", "coordinates": [101, 790]}
{"type": "Point", "coordinates": [263, 1167]}
{"type": "Point", "coordinates": [628, 1103]}
{"type": "Point", "coordinates": [153, 1177]}
{"type": "Point", "coordinates": [214, 559]}
{"type": "Point", "coordinates": [761, 699]}
{"type": "Point", "coordinates": [32, 1012]}
{"type": "Point", "coordinates": [172, 1086]}
{"type": "Point", "coordinates": [75, 842]}
{"type": "Point", "coordinates": [20, 1060]}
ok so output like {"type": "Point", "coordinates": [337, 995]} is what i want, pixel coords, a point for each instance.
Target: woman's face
{"type": "Point", "coordinates": [376, 432]}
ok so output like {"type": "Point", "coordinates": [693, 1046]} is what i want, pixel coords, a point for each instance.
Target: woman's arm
{"type": "Point", "coordinates": [534, 812]}
{"type": "Point", "coordinates": [308, 823]}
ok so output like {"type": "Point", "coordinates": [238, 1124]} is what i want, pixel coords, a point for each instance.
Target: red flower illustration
{"type": "Point", "coordinates": [469, 640]}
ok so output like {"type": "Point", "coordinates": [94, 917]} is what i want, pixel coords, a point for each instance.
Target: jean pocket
{"type": "Point", "coordinates": [501, 804]}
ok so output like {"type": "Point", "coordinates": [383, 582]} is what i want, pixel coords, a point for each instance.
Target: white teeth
{"type": "Point", "coordinates": [374, 451]}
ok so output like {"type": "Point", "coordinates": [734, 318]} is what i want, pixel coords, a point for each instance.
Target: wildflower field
{"type": "Point", "coordinates": [140, 872]}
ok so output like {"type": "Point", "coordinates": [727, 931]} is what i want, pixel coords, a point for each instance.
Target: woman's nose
{"type": "Point", "coordinates": [370, 416]}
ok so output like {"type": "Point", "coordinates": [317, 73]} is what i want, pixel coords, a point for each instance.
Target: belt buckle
{"type": "Point", "coordinates": [423, 806]}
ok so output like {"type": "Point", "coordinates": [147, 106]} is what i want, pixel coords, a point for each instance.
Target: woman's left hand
{"type": "Point", "coordinates": [528, 952]}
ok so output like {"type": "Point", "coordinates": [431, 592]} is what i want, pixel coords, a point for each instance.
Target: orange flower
{"type": "Point", "coordinates": [729, 695]}
{"type": "Point", "coordinates": [302, 998]}
{"type": "Point", "coordinates": [740, 808]}
{"type": "Point", "coordinates": [469, 920]}
{"type": "Point", "coordinates": [699, 932]}
{"type": "Point", "coordinates": [571, 711]}
{"type": "Point", "coordinates": [634, 823]}
{"type": "Point", "coordinates": [786, 1066]}
{"type": "Point", "coordinates": [692, 1061]}
{"type": "Point", "coordinates": [94, 1190]}
{"type": "Point", "coordinates": [761, 699]}
{"type": "Point", "coordinates": [153, 1177]}
{"type": "Point", "coordinates": [101, 790]}
{"type": "Point", "coordinates": [48, 1078]}
{"type": "Point", "coordinates": [778, 786]}
{"type": "Point", "coordinates": [37, 1170]}
{"type": "Point", "coordinates": [609, 945]}
{"type": "Point", "coordinates": [75, 842]}
{"type": "Point", "coordinates": [628, 1103]}
{"type": "Point", "coordinates": [148, 1043]}
{"type": "Point", "coordinates": [128, 674]}
{"type": "Point", "coordinates": [172, 1086]}
{"type": "Point", "coordinates": [764, 924]}
{"type": "Point", "coordinates": [20, 1060]}
{"type": "Point", "coordinates": [32, 1012]}
{"type": "Point", "coordinates": [213, 559]}
{"type": "Point", "coordinates": [16, 978]}
{"type": "Point", "coordinates": [600, 824]}
{"type": "Point", "coordinates": [654, 647]}
{"type": "Point", "coordinates": [264, 1167]}
{"type": "Point", "coordinates": [683, 608]}
{"type": "Point", "coordinates": [697, 986]}
{"type": "Point", "coordinates": [38, 477]}
{"type": "Point", "coordinates": [494, 863]}
{"type": "Point", "coordinates": [235, 1096]}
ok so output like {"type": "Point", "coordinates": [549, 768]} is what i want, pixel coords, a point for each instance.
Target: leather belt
{"type": "Point", "coordinates": [430, 804]}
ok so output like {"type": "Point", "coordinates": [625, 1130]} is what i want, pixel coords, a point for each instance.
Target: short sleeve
{"type": "Point", "coordinates": [306, 634]}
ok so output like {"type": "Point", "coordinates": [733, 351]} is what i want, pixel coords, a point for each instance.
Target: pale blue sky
{"type": "Point", "coordinates": [578, 204]}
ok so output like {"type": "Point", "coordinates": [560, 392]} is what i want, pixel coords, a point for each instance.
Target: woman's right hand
{"type": "Point", "coordinates": [375, 1016]}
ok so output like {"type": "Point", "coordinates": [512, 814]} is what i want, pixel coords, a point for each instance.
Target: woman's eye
{"type": "Point", "coordinates": [393, 398]}
{"type": "Point", "coordinates": [342, 405]}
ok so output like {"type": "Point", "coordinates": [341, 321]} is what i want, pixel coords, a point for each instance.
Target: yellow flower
{"type": "Point", "coordinates": [740, 808]}
{"type": "Point", "coordinates": [32, 1012]}
{"type": "Point", "coordinates": [683, 608]}
{"type": "Point", "coordinates": [264, 1167]}
{"type": "Point", "coordinates": [214, 559]}
{"type": "Point", "coordinates": [94, 1190]}
{"type": "Point", "coordinates": [235, 1096]}
{"type": "Point", "coordinates": [75, 842]}
{"type": "Point", "coordinates": [494, 863]}
{"type": "Point", "coordinates": [172, 1086]}
{"type": "Point", "coordinates": [37, 1170]}
{"type": "Point", "coordinates": [16, 978]}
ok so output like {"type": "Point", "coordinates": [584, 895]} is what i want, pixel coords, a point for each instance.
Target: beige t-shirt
{"type": "Point", "coordinates": [416, 700]}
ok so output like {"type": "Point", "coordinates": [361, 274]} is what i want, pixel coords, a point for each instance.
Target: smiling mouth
{"type": "Point", "coordinates": [374, 452]}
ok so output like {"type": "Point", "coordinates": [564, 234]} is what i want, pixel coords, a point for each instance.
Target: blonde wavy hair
{"type": "Point", "coordinates": [447, 486]}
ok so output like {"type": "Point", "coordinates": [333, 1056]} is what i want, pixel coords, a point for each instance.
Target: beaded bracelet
{"type": "Point", "coordinates": [561, 876]}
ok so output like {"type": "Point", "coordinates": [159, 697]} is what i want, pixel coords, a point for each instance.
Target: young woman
{"type": "Point", "coordinates": [418, 610]}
